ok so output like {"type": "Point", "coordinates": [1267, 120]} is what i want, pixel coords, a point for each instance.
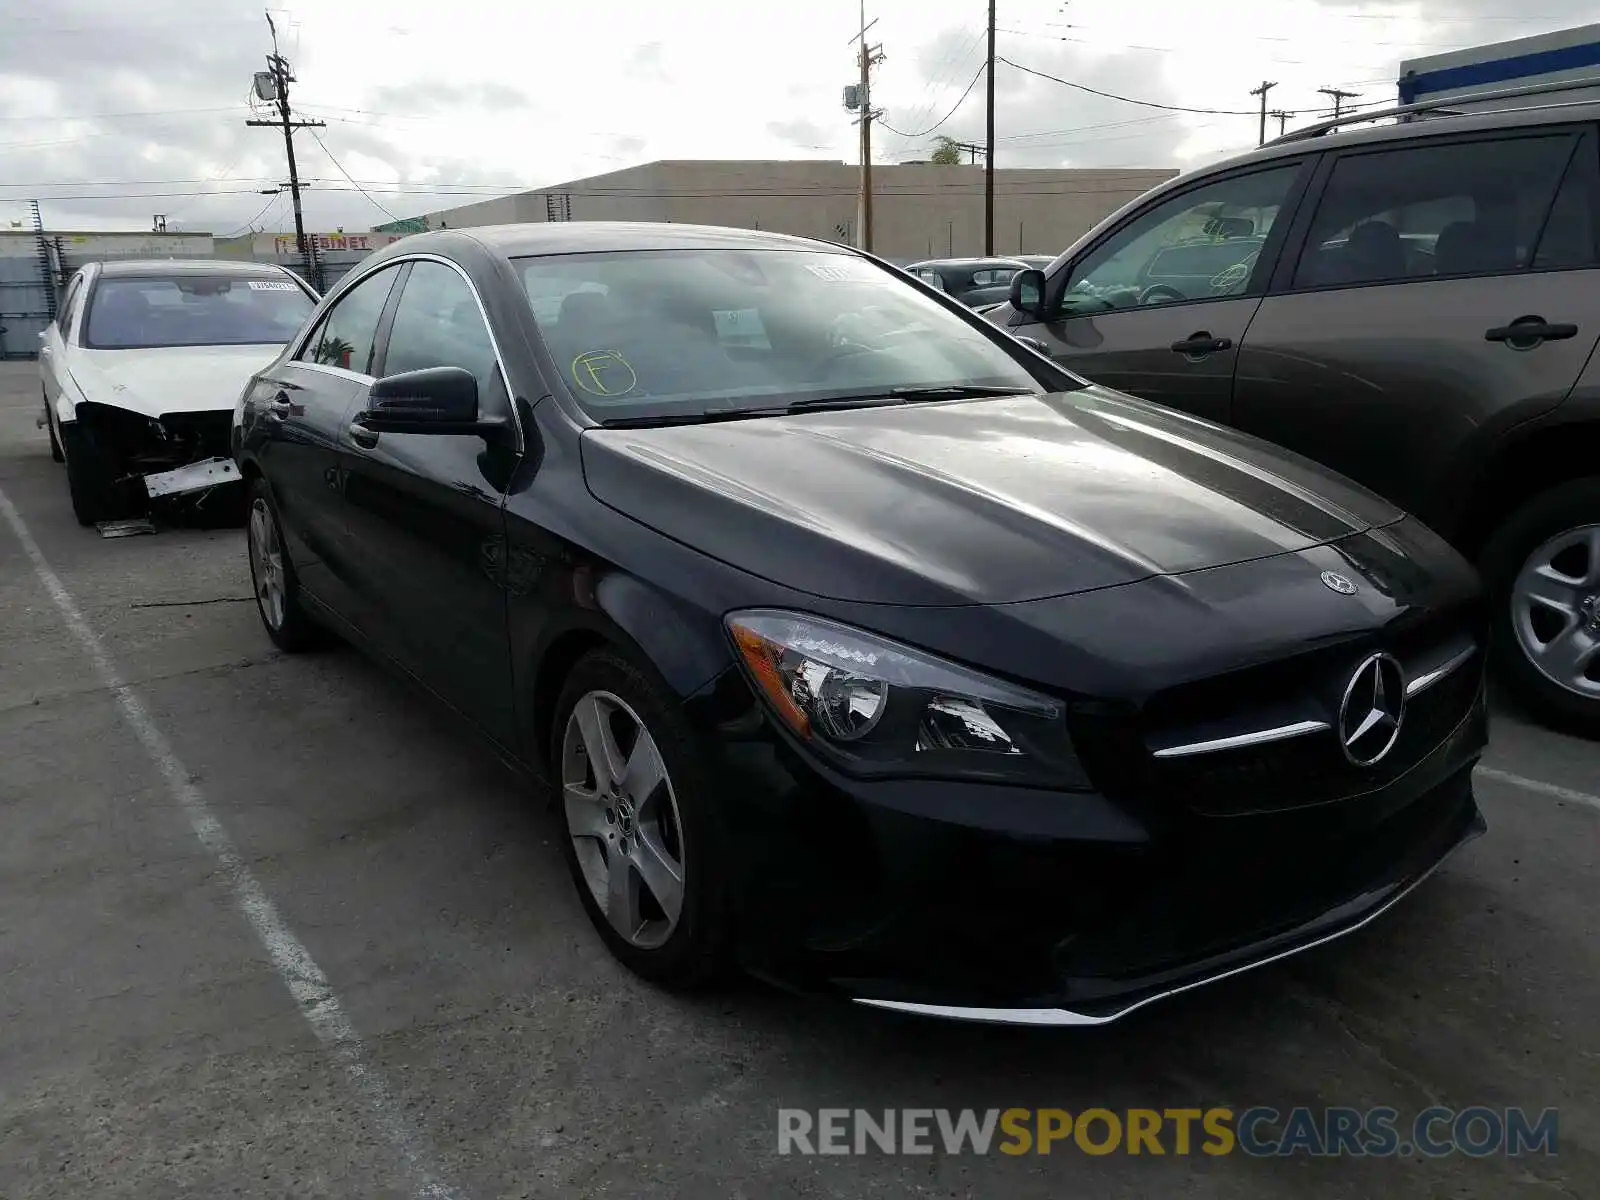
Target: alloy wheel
{"type": "Point", "coordinates": [1555, 610]}
{"type": "Point", "coordinates": [266, 563]}
{"type": "Point", "coordinates": [622, 816]}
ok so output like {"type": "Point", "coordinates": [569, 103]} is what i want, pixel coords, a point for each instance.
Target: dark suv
{"type": "Point", "coordinates": [1415, 304]}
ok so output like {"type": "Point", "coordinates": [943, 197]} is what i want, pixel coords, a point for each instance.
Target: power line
{"type": "Point", "coordinates": [251, 223]}
{"type": "Point", "coordinates": [346, 174]}
{"type": "Point", "coordinates": [977, 75]}
{"type": "Point", "coordinates": [1182, 108]}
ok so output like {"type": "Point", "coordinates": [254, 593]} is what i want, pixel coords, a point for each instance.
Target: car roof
{"type": "Point", "coordinates": [580, 237]}
{"type": "Point", "coordinates": [188, 266]}
{"type": "Point", "coordinates": [1486, 120]}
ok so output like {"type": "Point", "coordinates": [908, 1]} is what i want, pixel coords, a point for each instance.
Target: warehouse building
{"type": "Point", "coordinates": [921, 210]}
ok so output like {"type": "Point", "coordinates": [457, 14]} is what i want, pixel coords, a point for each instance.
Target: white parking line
{"type": "Point", "coordinates": [293, 962]}
{"type": "Point", "coordinates": [1544, 789]}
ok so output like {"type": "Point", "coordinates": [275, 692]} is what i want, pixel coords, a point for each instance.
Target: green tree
{"type": "Point", "coordinates": [947, 153]}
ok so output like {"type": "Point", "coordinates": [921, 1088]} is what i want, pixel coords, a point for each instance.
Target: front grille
{"type": "Point", "coordinates": [1296, 772]}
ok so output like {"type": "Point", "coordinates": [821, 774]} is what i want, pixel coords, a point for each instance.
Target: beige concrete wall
{"type": "Point", "coordinates": [920, 210]}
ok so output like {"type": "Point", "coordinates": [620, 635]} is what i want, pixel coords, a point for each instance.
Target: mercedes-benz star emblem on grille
{"type": "Point", "coordinates": [1374, 706]}
{"type": "Point", "coordinates": [1339, 583]}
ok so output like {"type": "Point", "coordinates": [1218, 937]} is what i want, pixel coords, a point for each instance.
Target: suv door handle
{"type": "Point", "coordinates": [1202, 343]}
{"type": "Point", "coordinates": [1526, 332]}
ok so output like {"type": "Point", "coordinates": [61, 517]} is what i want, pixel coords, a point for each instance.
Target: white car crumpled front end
{"type": "Point", "coordinates": [167, 411]}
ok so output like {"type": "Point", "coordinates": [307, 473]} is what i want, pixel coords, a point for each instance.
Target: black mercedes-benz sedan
{"type": "Point", "coordinates": [861, 645]}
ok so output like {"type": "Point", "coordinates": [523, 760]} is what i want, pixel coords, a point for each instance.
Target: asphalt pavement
{"type": "Point", "coordinates": [274, 926]}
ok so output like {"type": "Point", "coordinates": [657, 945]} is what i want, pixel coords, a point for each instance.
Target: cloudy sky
{"type": "Point", "coordinates": [111, 112]}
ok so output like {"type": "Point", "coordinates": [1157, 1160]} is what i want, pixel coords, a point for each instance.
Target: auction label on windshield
{"type": "Point", "coordinates": [269, 285]}
{"type": "Point", "coordinates": [847, 270]}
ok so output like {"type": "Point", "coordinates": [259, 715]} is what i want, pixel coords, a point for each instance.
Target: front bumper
{"type": "Point", "coordinates": [1018, 906]}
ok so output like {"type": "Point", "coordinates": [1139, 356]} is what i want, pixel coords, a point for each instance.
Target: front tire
{"type": "Point", "coordinates": [57, 454]}
{"type": "Point", "coordinates": [1541, 568]}
{"type": "Point", "coordinates": [91, 477]}
{"type": "Point", "coordinates": [272, 577]}
{"type": "Point", "coordinates": [640, 832]}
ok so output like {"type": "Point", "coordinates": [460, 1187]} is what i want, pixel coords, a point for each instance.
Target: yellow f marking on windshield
{"type": "Point", "coordinates": [604, 373]}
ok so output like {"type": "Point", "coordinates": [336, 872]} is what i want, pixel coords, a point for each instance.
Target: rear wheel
{"type": "Point", "coordinates": [641, 838]}
{"type": "Point", "coordinates": [272, 575]}
{"type": "Point", "coordinates": [1542, 570]}
{"type": "Point", "coordinates": [91, 477]}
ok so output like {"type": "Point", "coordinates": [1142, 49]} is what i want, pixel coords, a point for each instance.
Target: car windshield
{"type": "Point", "coordinates": [675, 332]}
{"type": "Point", "coordinates": [194, 310]}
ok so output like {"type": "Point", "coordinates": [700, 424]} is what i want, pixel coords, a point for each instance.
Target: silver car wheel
{"type": "Point", "coordinates": [266, 563]}
{"type": "Point", "coordinates": [622, 816]}
{"type": "Point", "coordinates": [1555, 610]}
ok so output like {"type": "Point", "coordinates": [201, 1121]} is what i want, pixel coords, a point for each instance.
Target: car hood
{"type": "Point", "coordinates": [974, 502]}
{"type": "Point", "coordinates": [168, 379]}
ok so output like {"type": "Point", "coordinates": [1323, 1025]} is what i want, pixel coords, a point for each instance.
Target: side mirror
{"type": "Point", "coordinates": [1027, 293]}
{"type": "Point", "coordinates": [433, 400]}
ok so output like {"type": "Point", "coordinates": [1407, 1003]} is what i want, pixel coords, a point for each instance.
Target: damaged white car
{"type": "Point", "coordinates": [141, 369]}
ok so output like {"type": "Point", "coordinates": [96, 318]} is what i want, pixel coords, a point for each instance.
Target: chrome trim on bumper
{"type": "Point", "coordinates": [1062, 1017]}
{"type": "Point", "coordinates": [1256, 737]}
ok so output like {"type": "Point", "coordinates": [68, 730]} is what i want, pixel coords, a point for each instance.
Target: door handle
{"type": "Point", "coordinates": [362, 436]}
{"type": "Point", "coordinates": [1202, 343]}
{"type": "Point", "coordinates": [1527, 332]}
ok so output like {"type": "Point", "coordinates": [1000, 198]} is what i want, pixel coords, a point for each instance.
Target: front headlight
{"type": "Point", "coordinates": [880, 708]}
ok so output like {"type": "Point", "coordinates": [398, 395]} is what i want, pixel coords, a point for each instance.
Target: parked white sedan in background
{"type": "Point", "coordinates": [141, 369]}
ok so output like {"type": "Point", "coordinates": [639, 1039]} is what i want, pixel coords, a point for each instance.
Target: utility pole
{"type": "Point", "coordinates": [1339, 97]}
{"type": "Point", "coordinates": [869, 57]}
{"type": "Point", "coordinates": [1283, 119]}
{"type": "Point", "coordinates": [988, 155]}
{"type": "Point", "coordinates": [273, 85]}
{"type": "Point", "coordinates": [1266, 86]}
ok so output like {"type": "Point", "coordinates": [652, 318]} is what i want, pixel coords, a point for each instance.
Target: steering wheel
{"type": "Point", "coordinates": [1231, 277]}
{"type": "Point", "coordinates": [1163, 291]}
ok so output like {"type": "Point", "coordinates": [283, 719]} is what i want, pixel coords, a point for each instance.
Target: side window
{"type": "Point", "coordinates": [1201, 245]}
{"type": "Point", "coordinates": [1472, 208]}
{"type": "Point", "coordinates": [438, 324]}
{"type": "Point", "coordinates": [1571, 236]}
{"type": "Point", "coordinates": [348, 333]}
{"type": "Point", "coordinates": [932, 279]}
{"type": "Point", "coordinates": [993, 277]}
{"type": "Point", "coordinates": [69, 306]}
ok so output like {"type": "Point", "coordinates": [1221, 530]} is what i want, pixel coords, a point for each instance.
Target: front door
{"type": "Point", "coordinates": [304, 404]}
{"type": "Point", "coordinates": [1159, 307]}
{"type": "Point", "coordinates": [1399, 344]}
{"type": "Point", "coordinates": [424, 513]}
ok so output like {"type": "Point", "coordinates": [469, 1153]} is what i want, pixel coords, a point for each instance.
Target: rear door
{"type": "Point", "coordinates": [424, 512]}
{"type": "Point", "coordinates": [1399, 340]}
{"type": "Point", "coordinates": [302, 407]}
{"type": "Point", "coordinates": [1159, 305]}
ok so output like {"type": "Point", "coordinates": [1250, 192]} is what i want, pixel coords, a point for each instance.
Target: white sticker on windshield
{"type": "Point", "coordinates": [267, 285]}
{"type": "Point", "coordinates": [845, 272]}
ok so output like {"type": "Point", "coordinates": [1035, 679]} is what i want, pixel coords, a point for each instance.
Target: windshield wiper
{"type": "Point", "coordinates": [899, 395]}
{"type": "Point", "coordinates": [946, 391]}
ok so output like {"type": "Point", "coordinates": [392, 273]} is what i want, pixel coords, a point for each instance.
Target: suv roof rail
{"type": "Point", "coordinates": [1443, 108]}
